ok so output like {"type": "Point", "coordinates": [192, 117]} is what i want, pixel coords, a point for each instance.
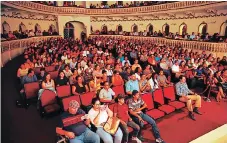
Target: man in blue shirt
{"type": "Point", "coordinates": [183, 92]}
{"type": "Point", "coordinates": [132, 84]}
{"type": "Point", "coordinates": [74, 125]}
{"type": "Point", "coordinates": [31, 77]}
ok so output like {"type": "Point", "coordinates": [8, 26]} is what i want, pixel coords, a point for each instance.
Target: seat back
{"type": "Point", "coordinates": [169, 92]}
{"type": "Point", "coordinates": [66, 101]}
{"type": "Point", "coordinates": [158, 96]}
{"type": "Point", "coordinates": [37, 70]}
{"type": "Point", "coordinates": [111, 106]}
{"type": "Point", "coordinates": [48, 97]}
{"type": "Point", "coordinates": [50, 68]}
{"type": "Point", "coordinates": [86, 98]}
{"type": "Point", "coordinates": [63, 91]}
{"type": "Point", "coordinates": [53, 74]}
{"type": "Point", "coordinates": [118, 90]}
{"type": "Point", "coordinates": [31, 89]}
{"type": "Point", "coordinates": [148, 99]}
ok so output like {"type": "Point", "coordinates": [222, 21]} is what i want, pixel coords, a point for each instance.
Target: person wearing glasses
{"type": "Point", "coordinates": [98, 115]}
{"type": "Point", "coordinates": [106, 93]}
{"type": "Point", "coordinates": [77, 132]}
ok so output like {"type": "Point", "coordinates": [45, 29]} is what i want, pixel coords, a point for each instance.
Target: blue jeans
{"type": "Point", "coordinates": [87, 137]}
{"type": "Point", "coordinates": [148, 119]}
{"type": "Point", "coordinates": [107, 138]}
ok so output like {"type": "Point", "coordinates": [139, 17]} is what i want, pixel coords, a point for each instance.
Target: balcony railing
{"type": "Point", "coordinates": [73, 10]}
{"type": "Point", "coordinates": [11, 49]}
{"type": "Point", "coordinates": [218, 49]}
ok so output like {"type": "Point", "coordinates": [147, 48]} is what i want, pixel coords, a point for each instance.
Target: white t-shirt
{"type": "Point", "coordinates": [92, 114]}
{"type": "Point", "coordinates": [151, 82]}
{"type": "Point", "coordinates": [63, 57]}
{"type": "Point", "coordinates": [175, 68]}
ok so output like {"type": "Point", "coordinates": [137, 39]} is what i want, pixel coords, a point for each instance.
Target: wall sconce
{"type": "Point", "coordinates": [141, 24]}
{"type": "Point", "coordinates": [29, 23]}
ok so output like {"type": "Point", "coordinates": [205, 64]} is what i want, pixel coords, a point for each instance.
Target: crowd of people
{"type": "Point", "coordinates": [185, 36]}
{"type": "Point", "coordinates": [26, 34]}
{"type": "Point", "coordinates": [100, 63]}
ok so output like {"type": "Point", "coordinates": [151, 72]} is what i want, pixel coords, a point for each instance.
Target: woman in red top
{"type": "Point", "coordinates": [120, 110]}
{"type": "Point", "coordinates": [117, 79]}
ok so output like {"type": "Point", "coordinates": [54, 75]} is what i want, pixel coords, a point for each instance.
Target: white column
{"type": "Point", "coordinates": [59, 3]}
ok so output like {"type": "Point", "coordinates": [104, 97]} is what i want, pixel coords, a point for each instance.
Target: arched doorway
{"type": "Point", "coordinates": [134, 28]}
{"type": "Point", "coordinates": [203, 28]}
{"type": "Point", "coordinates": [165, 28]}
{"type": "Point", "coordinates": [104, 29]}
{"type": "Point", "coordinates": [37, 27]}
{"type": "Point", "coordinates": [5, 27]}
{"type": "Point", "coordinates": [69, 30]}
{"type": "Point", "coordinates": [119, 28]}
{"type": "Point", "coordinates": [223, 29]}
{"type": "Point", "coordinates": [150, 29]}
{"type": "Point", "coordinates": [52, 28]}
{"type": "Point", "coordinates": [22, 27]}
{"type": "Point", "coordinates": [183, 29]}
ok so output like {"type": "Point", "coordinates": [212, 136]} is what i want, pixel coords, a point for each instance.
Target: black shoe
{"type": "Point", "coordinates": [141, 138]}
{"type": "Point", "coordinates": [192, 116]}
{"type": "Point", "coordinates": [197, 111]}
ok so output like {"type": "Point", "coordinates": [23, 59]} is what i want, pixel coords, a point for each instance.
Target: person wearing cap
{"type": "Point", "coordinates": [132, 84]}
{"type": "Point", "coordinates": [76, 130]}
{"type": "Point", "coordinates": [136, 105]}
{"type": "Point", "coordinates": [120, 110]}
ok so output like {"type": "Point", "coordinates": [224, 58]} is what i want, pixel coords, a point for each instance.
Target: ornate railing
{"type": "Point", "coordinates": [218, 49]}
{"type": "Point", "coordinates": [73, 10]}
{"type": "Point", "coordinates": [11, 49]}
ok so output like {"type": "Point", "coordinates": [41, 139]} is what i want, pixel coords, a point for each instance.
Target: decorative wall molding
{"type": "Point", "coordinates": [73, 10]}
{"type": "Point", "coordinates": [149, 19]}
{"type": "Point", "coordinates": [31, 17]}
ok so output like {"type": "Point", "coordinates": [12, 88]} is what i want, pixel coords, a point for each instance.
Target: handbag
{"type": "Point", "coordinates": [111, 125]}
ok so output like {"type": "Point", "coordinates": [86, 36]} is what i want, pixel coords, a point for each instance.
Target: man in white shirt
{"type": "Point", "coordinates": [126, 60]}
{"type": "Point", "coordinates": [106, 93]}
{"type": "Point", "coordinates": [73, 63]}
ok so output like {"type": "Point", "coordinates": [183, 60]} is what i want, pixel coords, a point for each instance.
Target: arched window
{"type": "Point", "coordinates": [22, 27]}
{"type": "Point", "coordinates": [5, 27]}
{"type": "Point", "coordinates": [37, 27]}
{"type": "Point", "coordinates": [150, 28]}
{"type": "Point", "coordinates": [223, 29]}
{"type": "Point", "coordinates": [119, 28]}
{"type": "Point", "coordinates": [203, 28]}
{"type": "Point", "coordinates": [134, 28]}
{"type": "Point", "coordinates": [69, 30]}
{"type": "Point", "coordinates": [104, 29]}
{"type": "Point", "coordinates": [183, 29]}
{"type": "Point", "coordinates": [165, 29]}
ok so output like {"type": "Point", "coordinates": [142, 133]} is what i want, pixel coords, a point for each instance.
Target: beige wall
{"type": "Point", "coordinates": [62, 20]}
{"type": "Point", "coordinates": [214, 24]}
{"type": "Point", "coordinates": [78, 28]}
{"type": "Point", "coordinates": [30, 24]}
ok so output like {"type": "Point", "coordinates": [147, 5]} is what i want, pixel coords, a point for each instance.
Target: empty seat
{"type": "Point", "coordinates": [63, 91]}
{"type": "Point", "coordinates": [154, 113]}
{"type": "Point", "coordinates": [169, 93]}
{"type": "Point", "coordinates": [159, 98]}
{"type": "Point", "coordinates": [66, 101]}
{"type": "Point", "coordinates": [118, 90]}
{"type": "Point", "coordinates": [50, 68]}
{"type": "Point", "coordinates": [31, 89]}
{"type": "Point", "coordinates": [86, 98]}
{"type": "Point", "coordinates": [48, 102]}
{"type": "Point", "coordinates": [53, 74]}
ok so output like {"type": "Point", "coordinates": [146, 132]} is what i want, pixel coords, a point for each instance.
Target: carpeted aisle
{"type": "Point", "coordinates": [26, 126]}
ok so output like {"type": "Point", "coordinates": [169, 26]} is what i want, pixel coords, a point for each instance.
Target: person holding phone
{"type": "Point", "coordinates": [136, 105]}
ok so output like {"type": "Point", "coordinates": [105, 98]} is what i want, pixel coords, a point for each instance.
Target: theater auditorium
{"type": "Point", "coordinates": [114, 71]}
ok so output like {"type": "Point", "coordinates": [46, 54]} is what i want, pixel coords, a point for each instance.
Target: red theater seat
{"type": "Point", "coordinates": [86, 98]}
{"type": "Point", "coordinates": [37, 70]}
{"type": "Point", "coordinates": [66, 101]}
{"type": "Point", "coordinates": [118, 90]}
{"type": "Point", "coordinates": [63, 91]}
{"type": "Point", "coordinates": [50, 68]}
{"type": "Point", "coordinates": [158, 97]}
{"type": "Point", "coordinates": [31, 89]}
{"type": "Point", "coordinates": [53, 74]}
{"type": "Point", "coordinates": [48, 102]}
{"type": "Point", "coordinates": [169, 93]}
{"type": "Point", "coordinates": [154, 113]}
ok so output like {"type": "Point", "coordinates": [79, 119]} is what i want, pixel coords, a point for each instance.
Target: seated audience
{"type": "Point", "coordinates": [77, 132]}
{"type": "Point", "coordinates": [62, 79]}
{"type": "Point", "coordinates": [188, 96]}
{"type": "Point", "coordinates": [98, 115]}
{"type": "Point", "coordinates": [79, 87]}
{"type": "Point", "coordinates": [106, 94]}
